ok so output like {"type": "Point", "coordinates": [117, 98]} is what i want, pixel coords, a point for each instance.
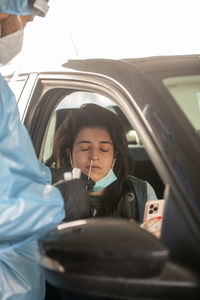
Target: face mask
{"type": "Point", "coordinates": [10, 46]}
{"type": "Point", "coordinates": [105, 181]}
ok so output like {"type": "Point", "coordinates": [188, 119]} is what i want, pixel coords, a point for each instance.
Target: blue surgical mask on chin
{"type": "Point", "coordinates": [105, 181]}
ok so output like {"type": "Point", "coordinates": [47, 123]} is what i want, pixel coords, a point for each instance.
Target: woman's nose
{"type": "Point", "coordinates": [93, 155]}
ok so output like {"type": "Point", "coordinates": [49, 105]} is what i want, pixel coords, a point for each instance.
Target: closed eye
{"type": "Point", "coordinates": [104, 150]}
{"type": "Point", "coordinates": [85, 149]}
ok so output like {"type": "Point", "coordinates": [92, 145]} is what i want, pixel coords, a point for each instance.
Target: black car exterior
{"type": "Point", "coordinates": [142, 88]}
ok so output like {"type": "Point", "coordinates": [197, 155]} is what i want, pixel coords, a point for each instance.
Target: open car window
{"type": "Point", "coordinates": [143, 167]}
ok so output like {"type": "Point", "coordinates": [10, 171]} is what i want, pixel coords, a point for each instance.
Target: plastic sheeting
{"type": "Point", "coordinates": [28, 206]}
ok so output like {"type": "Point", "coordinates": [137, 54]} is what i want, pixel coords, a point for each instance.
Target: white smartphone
{"type": "Point", "coordinates": [154, 209]}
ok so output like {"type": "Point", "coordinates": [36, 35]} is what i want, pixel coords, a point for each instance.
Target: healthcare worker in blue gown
{"type": "Point", "coordinates": [28, 205]}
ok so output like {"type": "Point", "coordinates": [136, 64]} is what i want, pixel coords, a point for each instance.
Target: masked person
{"type": "Point", "coordinates": [28, 205]}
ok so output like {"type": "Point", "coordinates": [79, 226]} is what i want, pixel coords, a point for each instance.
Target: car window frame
{"type": "Point", "coordinates": [126, 101]}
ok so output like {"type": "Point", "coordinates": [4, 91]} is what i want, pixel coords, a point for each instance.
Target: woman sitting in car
{"type": "Point", "coordinates": [93, 139]}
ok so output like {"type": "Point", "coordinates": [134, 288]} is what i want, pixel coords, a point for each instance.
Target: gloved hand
{"type": "Point", "coordinates": [76, 199]}
{"type": "Point", "coordinates": [58, 174]}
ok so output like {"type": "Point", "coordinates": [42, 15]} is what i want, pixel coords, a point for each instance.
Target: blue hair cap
{"type": "Point", "coordinates": [24, 7]}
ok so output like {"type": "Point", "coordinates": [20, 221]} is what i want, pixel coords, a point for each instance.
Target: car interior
{"type": "Point", "coordinates": [143, 167]}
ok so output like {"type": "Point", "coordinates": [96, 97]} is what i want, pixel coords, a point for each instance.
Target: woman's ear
{"type": "Point", "coordinates": [113, 163]}
{"type": "Point", "coordinates": [114, 160]}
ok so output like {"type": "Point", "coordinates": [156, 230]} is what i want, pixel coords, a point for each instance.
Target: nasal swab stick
{"type": "Point", "coordinates": [90, 168]}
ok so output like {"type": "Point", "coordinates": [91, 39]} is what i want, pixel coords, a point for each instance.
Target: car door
{"type": "Point", "coordinates": [169, 137]}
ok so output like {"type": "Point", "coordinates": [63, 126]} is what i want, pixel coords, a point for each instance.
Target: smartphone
{"type": "Point", "coordinates": [153, 209]}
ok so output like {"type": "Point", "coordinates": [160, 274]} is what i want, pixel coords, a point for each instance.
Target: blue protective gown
{"type": "Point", "coordinates": [28, 206]}
{"type": "Point", "coordinates": [21, 7]}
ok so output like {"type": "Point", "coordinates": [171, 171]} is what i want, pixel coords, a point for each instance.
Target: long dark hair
{"type": "Point", "coordinates": [92, 115]}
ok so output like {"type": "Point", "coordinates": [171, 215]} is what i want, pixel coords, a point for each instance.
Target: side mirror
{"type": "Point", "coordinates": [100, 248]}
{"type": "Point", "coordinates": [113, 258]}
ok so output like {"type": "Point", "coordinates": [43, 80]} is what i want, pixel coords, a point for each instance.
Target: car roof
{"type": "Point", "coordinates": [146, 64]}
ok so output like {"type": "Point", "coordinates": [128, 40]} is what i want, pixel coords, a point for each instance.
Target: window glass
{"type": "Point", "coordinates": [49, 138]}
{"type": "Point", "coordinates": [76, 99]}
{"type": "Point", "coordinates": [186, 91]}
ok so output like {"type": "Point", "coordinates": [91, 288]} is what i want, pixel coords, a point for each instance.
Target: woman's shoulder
{"type": "Point", "coordinates": [139, 193]}
{"type": "Point", "coordinates": [138, 187]}
{"type": "Point", "coordinates": [142, 184]}
{"type": "Point", "coordinates": [137, 181]}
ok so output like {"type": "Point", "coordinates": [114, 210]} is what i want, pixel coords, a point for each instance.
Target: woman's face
{"type": "Point", "coordinates": [93, 144]}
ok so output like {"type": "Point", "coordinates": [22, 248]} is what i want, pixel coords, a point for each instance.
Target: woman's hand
{"type": "Point", "coordinates": [153, 225]}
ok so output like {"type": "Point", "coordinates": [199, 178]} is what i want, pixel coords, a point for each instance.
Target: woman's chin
{"type": "Point", "coordinates": [95, 178]}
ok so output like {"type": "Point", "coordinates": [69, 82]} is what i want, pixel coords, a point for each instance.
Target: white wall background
{"type": "Point", "coordinates": [111, 29]}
